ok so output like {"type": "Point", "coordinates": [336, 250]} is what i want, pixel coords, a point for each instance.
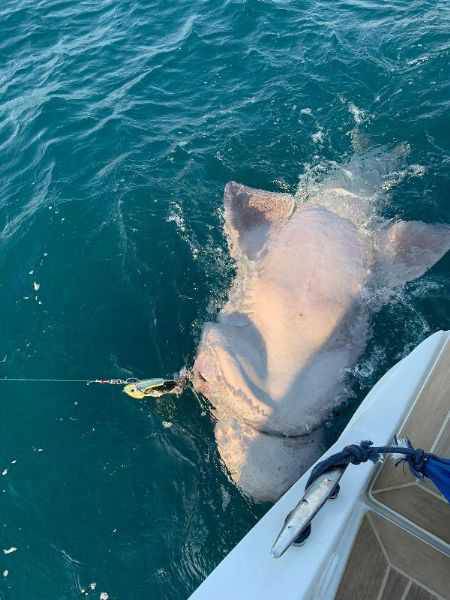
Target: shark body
{"type": "Point", "coordinates": [297, 317]}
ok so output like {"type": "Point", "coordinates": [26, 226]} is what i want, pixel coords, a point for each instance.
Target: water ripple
{"type": "Point", "coordinates": [119, 125]}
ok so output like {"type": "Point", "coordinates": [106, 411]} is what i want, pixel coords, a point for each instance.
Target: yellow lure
{"type": "Point", "coordinates": [154, 388]}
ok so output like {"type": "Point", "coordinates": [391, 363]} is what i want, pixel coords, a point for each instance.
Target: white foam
{"type": "Point", "coordinates": [417, 170]}
{"type": "Point", "coordinates": [369, 364]}
{"type": "Point", "coordinates": [282, 185]}
{"type": "Point", "coordinates": [359, 115]}
{"type": "Point", "coordinates": [318, 137]}
{"type": "Point", "coordinates": [176, 216]}
{"type": "Point", "coordinates": [357, 190]}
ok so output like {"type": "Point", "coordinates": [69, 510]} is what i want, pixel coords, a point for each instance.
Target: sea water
{"type": "Point", "coordinates": [120, 123]}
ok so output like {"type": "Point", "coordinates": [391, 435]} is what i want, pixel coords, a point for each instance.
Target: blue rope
{"type": "Point", "coordinates": [421, 464]}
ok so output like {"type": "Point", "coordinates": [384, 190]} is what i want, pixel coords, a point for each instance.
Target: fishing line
{"type": "Point", "coordinates": [136, 388]}
{"type": "Point", "coordinates": [86, 381]}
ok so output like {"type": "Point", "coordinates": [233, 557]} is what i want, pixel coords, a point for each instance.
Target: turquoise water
{"type": "Point", "coordinates": [120, 123]}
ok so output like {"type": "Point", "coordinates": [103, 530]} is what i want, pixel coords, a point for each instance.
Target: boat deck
{"type": "Point", "coordinates": [402, 548]}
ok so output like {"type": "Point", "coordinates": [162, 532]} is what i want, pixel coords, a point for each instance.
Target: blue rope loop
{"type": "Point", "coordinates": [357, 454]}
{"type": "Point", "coordinates": [361, 453]}
{"type": "Point", "coordinates": [354, 454]}
{"type": "Point", "coordinates": [421, 464]}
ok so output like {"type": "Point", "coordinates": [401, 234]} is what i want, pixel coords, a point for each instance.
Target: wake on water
{"type": "Point", "coordinates": [358, 189]}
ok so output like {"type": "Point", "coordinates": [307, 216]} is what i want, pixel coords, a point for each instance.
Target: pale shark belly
{"type": "Point", "coordinates": [284, 398]}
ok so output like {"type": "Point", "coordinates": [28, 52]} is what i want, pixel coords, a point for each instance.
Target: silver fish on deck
{"type": "Point", "coordinates": [303, 513]}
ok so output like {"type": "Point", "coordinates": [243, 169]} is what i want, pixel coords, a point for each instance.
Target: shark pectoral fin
{"type": "Point", "coordinates": [251, 214]}
{"type": "Point", "coordinates": [407, 249]}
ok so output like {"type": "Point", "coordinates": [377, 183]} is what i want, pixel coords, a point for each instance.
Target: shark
{"type": "Point", "coordinates": [308, 277]}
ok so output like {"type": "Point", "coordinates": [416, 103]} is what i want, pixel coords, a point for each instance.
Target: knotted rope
{"type": "Point", "coordinates": [421, 464]}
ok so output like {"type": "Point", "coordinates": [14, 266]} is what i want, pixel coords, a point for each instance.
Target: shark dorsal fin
{"type": "Point", "coordinates": [251, 215]}
{"type": "Point", "coordinates": [407, 249]}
